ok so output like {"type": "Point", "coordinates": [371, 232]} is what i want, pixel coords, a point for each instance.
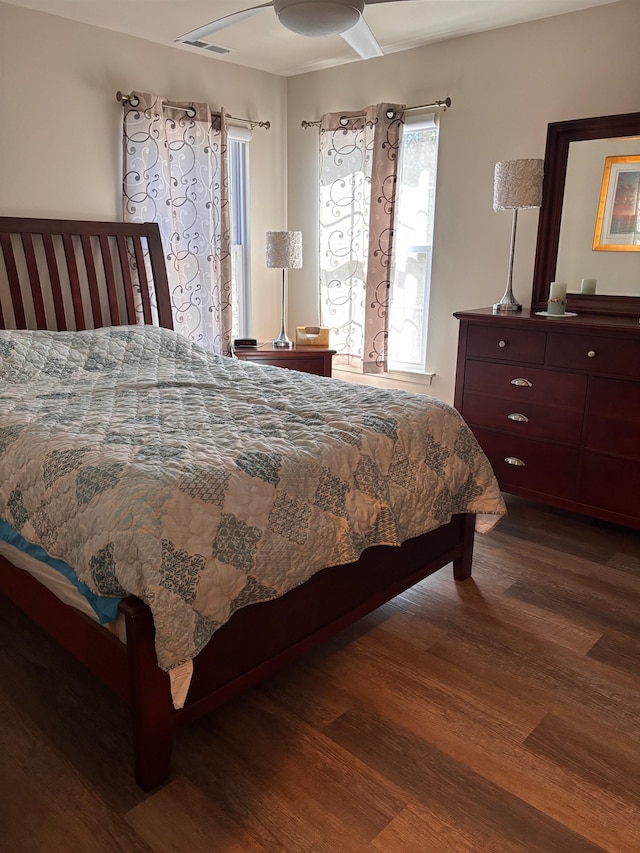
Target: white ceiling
{"type": "Point", "coordinates": [263, 43]}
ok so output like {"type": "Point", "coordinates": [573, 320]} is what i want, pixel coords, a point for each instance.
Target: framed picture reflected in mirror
{"type": "Point", "coordinates": [618, 220]}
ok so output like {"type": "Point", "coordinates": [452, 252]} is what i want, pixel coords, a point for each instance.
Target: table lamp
{"type": "Point", "coordinates": [284, 250]}
{"type": "Point", "coordinates": [517, 184]}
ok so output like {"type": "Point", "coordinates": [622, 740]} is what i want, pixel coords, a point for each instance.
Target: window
{"type": "Point", "coordinates": [377, 197]}
{"type": "Point", "coordinates": [238, 166]}
{"type": "Point", "coordinates": [413, 240]}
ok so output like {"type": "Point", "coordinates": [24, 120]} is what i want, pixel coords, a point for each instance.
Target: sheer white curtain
{"type": "Point", "coordinates": [175, 174]}
{"type": "Point", "coordinates": [358, 174]}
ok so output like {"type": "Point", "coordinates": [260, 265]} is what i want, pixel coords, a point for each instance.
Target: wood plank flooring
{"type": "Point", "coordinates": [498, 714]}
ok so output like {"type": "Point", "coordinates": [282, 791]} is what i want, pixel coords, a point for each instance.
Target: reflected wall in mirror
{"type": "Point", "coordinates": [617, 273]}
{"type": "Point", "coordinates": [574, 165]}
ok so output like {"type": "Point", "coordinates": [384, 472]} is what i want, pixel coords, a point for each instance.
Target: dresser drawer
{"type": "Point", "coordinates": [526, 385]}
{"type": "Point", "coordinates": [548, 469]}
{"type": "Point", "coordinates": [506, 344]}
{"type": "Point", "coordinates": [528, 420]}
{"type": "Point", "coordinates": [595, 353]}
{"type": "Point", "coordinates": [611, 484]}
{"type": "Point", "coordinates": [613, 418]}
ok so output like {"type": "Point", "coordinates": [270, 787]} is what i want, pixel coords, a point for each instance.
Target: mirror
{"type": "Point", "coordinates": [574, 166]}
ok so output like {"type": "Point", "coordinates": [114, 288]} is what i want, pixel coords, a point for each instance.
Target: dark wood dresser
{"type": "Point", "coordinates": [555, 405]}
{"type": "Point", "coordinates": [316, 360]}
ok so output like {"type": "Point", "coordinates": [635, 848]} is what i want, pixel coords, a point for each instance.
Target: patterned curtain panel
{"type": "Point", "coordinates": [358, 171]}
{"type": "Point", "coordinates": [175, 174]}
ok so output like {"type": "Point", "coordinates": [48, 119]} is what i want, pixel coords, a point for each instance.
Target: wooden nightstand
{"type": "Point", "coordinates": [307, 359]}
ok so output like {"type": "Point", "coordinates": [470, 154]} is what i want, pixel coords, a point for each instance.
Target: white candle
{"type": "Point", "coordinates": [588, 285]}
{"type": "Point", "coordinates": [558, 290]}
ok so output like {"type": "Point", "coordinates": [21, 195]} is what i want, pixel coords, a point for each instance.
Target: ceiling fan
{"type": "Point", "coordinates": [309, 18]}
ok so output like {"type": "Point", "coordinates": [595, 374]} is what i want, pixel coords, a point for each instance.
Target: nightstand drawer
{"type": "Point", "coordinates": [526, 385]}
{"type": "Point", "coordinates": [315, 360]}
{"type": "Point", "coordinates": [536, 466]}
{"type": "Point", "coordinates": [595, 353]}
{"type": "Point", "coordinates": [528, 420]}
{"type": "Point", "coordinates": [506, 343]}
{"type": "Point", "coordinates": [304, 365]}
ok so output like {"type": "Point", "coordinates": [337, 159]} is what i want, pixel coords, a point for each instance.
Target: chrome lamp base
{"type": "Point", "coordinates": [282, 341]}
{"type": "Point", "coordinates": [509, 303]}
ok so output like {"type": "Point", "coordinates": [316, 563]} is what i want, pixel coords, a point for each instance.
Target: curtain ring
{"type": "Point", "coordinates": [390, 114]}
{"type": "Point", "coordinates": [343, 121]}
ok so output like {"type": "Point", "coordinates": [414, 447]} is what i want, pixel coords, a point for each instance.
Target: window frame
{"type": "Point", "coordinates": [422, 120]}
{"type": "Point", "coordinates": [238, 170]}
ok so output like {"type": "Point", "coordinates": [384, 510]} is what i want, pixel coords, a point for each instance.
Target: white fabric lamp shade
{"type": "Point", "coordinates": [284, 249]}
{"type": "Point", "coordinates": [518, 184]}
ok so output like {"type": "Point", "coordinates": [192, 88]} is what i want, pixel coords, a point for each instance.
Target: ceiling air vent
{"type": "Point", "coordinates": [212, 48]}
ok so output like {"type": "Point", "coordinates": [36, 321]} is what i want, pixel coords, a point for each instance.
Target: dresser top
{"type": "Point", "coordinates": [528, 318]}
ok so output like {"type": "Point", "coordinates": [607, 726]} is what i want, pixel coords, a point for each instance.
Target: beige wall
{"type": "Point", "coordinates": [505, 86]}
{"type": "Point", "coordinates": [60, 132]}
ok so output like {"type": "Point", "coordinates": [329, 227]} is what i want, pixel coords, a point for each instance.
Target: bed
{"type": "Point", "coordinates": [85, 306]}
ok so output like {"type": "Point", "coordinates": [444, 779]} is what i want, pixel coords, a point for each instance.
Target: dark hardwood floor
{"type": "Point", "coordinates": [498, 714]}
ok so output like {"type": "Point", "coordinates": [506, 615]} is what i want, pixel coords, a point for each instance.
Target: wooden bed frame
{"type": "Point", "coordinates": [92, 260]}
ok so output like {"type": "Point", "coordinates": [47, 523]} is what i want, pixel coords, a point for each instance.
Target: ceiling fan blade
{"type": "Point", "coordinates": [222, 23]}
{"type": "Point", "coordinates": [362, 40]}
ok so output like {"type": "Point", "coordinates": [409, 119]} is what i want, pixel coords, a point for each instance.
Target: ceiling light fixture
{"type": "Point", "coordinates": [323, 18]}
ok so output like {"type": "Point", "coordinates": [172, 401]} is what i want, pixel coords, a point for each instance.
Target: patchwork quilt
{"type": "Point", "coordinates": [203, 484]}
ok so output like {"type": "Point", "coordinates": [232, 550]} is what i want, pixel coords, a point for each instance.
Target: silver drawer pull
{"type": "Point", "coordinates": [522, 382]}
{"type": "Point", "coordinates": [513, 460]}
{"type": "Point", "coordinates": [516, 416]}
{"type": "Point", "coordinates": [592, 353]}
{"type": "Point", "coordinates": [502, 344]}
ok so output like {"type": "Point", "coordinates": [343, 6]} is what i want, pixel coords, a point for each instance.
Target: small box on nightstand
{"type": "Point", "coordinates": [312, 336]}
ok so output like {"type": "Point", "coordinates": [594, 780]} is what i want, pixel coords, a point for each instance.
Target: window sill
{"type": "Point", "coordinates": [414, 377]}
{"type": "Point", "coordinates": [392, 378]}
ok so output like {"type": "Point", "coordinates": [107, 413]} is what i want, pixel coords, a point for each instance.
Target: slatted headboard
{"type": "Point", "coordinates": [65, 274]}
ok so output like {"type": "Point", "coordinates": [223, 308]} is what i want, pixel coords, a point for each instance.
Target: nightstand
{"type": "Point", "coordinates": [306, 359]}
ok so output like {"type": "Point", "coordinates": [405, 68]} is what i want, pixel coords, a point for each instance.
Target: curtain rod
{"type": "Point", "coordinates": [129, 99]}
{"type": "Point", "coordinates": [390, 114]}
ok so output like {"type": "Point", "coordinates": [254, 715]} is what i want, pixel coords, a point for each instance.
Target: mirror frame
{"type": "Point", "coordinates": [559, 136]}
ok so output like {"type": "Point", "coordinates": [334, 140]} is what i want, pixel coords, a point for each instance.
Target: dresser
{"type": "Point", "coordinates": [555, 405]}
{"type": "Point", "coordinates": [307, 359]}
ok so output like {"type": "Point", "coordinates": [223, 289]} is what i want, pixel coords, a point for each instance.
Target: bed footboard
{"type": "Point", "coordinates": [256, 642]}
{"type": "Point", "coordinates": [462, 564]}
{"type": "Point", "coordinates": [153, 716]}
{"type": "Point", "coordinates": [263, 638]}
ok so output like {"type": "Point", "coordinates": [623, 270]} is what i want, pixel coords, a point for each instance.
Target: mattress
{"type": "Point", "coordinates": [64, 589]}
{"type": "Point", "coordinates": [59, 585]}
